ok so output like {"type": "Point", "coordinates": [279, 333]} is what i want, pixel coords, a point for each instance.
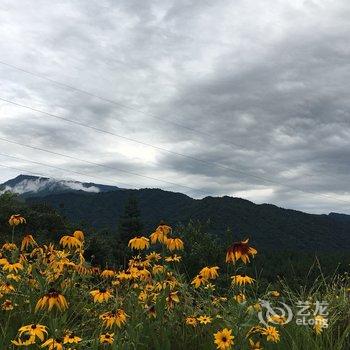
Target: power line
{"type": "Point", "coordinates": [122, 105]}
{"type": "Point", "coordinates": [208, 163]}
{"type": "Point", "coordinates": [109, 167]}
{"type": "Point", "coordinates": [101, 165]}
{"type": "Point", "coordinates": [66, 170]}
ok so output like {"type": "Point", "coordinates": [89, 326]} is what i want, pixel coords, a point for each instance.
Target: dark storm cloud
{"type": "Point", "coordinates": [254, 94]}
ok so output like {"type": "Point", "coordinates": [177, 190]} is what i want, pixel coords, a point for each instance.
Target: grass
{"type": "Point", "coordinates": [150, 305]}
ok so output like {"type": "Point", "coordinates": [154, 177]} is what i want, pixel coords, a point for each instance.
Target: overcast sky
{"type": "Point", "coordinates": [242, 98]}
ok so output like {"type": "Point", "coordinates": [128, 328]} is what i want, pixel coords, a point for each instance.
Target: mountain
{"type": "Point", "coordinates": [34, 186]}
{"type": "Point", "coordinates": [269, 226]}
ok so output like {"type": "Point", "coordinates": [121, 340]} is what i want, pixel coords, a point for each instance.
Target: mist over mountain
{"type": "Point", "coordinates": [29, 186]}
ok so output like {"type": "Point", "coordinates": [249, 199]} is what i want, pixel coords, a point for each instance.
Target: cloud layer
{"type": "Point", "coordinates": [241, 98]}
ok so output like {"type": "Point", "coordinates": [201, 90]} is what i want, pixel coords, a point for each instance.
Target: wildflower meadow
{"type": "Point", "coordinates": [51, 297]}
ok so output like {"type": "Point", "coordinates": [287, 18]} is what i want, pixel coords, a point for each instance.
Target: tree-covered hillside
{"type": "Point", "coordinates": [271, 227]}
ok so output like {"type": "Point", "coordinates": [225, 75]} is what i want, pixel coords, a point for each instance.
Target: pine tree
{"type": "Point", "coordinates": [129, 225]}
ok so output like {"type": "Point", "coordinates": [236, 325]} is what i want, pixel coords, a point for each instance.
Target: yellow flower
{"type": "Point", "coordinates": [9, 246]}
{"type": "Point", "coordinates": [254, 346]}
{"type": "Point", "coordinates": [165, 229]}
{"type": "Point", "coordinates": [172, 298]}
{"type": "Point", "coordinates": [157, 269]}
{"type": "Point", "coordinates": [204, 319]}
{"type": "Point", "coordinates": [139, 243]}
{"type": "Point", "coordinates": [240, 298]}
{"type": "Point", "coordinates": [7, 305]}
{"type": "Point", "coordinates": [107, 273]}
{"type": "Point", "coordinates": [174, 244]}
{"type": "Point", "coordinates": [16, 219]}
{"type": "Point", "coordinates": [242, 280]}
{"type": "Point", "coordinates": [279, 319]}
{"type": "Point", "coordinates": [153, 256]}
{"type": "Point", "coordinates": [275, 293]}
{"type": "Point", "coordinates": [198, 281]}
{"type": "Point", "coordinates": [53, 344]}
{"type": "Point", "coordinates": [100, 295]}
{"type": "Point", "coordinates": [35, 330]}
{"type": "Point", "coordinates": [7, 288]}
{"type": "Point", "coordinates": [117, 317]}
{"type": "Point", "coordinates": [240, 250]}
{"type": "Point", "coordinates": [23, 342]}
{"type": "Point", "coordinates": [70, 242]}
{"type": "Point", "coordinates": [223, 339]}
{"type": "Point", "coordinates": [271, 334]}
{"type": "Point", "coordinates": [12, 267]}
{"type": "Point", "coordinates": [50, 300]}
{"type": "Point", "coordinates": [174, 258]}
{"type": "Point", "coordinates": [209, 272]}
{"type": "Point", "coordinates": [157, 236]}
{"type": "Point", "coordinates": [107, 338]}
{"type": "Point", "coordinates": [71, 339]}
{"type": "Point", "coordinates": [319, 324]}
{"type": "Point", "coordinates": [27, 241]}
{"type": "Point", "coordinates": [79, 235]}
{"type": "Point", "coordinates": [191, 321]}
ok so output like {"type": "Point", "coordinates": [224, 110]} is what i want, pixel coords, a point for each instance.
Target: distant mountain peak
{"type": "Point", "coordinates": [28, 186]}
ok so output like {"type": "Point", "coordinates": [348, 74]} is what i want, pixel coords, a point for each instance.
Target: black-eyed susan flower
{"type": "Point", "coordinates": [50, 300]}
{"type": "Point", "coordinates": [275, 293]}
{"type": "Point", "coordinates": [242, 279]}
{"type": "Point", "coordinates": [157, 236]}
{"type": "Point", "coordinates": [319, 324]}
{"type": "Point", "coordinates": [240, 298]}
{"type": "Point", "coordinates": [165, 229]}
{"type": "Point", "coordinates": [35, 330]}
{"type": "Point", "coordinates": [79, 235]}
{"type": "Point", "coordinates": [7, 305]}
{"type": "Point", "coordinates": [71, 338]}
{"type": "Point", "coordinates": [24, 341]}
{"type": "Point", "coordinates": [223, 339]}
{"type": "Point", "coordinates": [70, 242]}
{"type": "Point", "coordinates": [7, 288]}
{"type": "Point", "coordinates": [204, 319]}
{"type": "Point", "coordinates": [107, 273]}
{"type": "Point", "coordinates": [107, 338]}
{"type": "Point", "coordinates": [153, 256]}
{"type": "Point", "coordinates": [173, 258]}
{"type": "Point", "coordinates": [157, 269]}
{"type": "Point", "coordinates": [198, 281]}
{"type": "Point", "coordinates": [15, 267]}
{"type": "Point", "coordinates": [16, 220]}
{"type": "Point", "coordinates": [254, 346]}
{"type": "Point", "coordinates": [53, 344]}
{"type": "Point", "coordinates": [172, 298]}
{"type": "Point", "coordinates": [191, 321]}
{"type": "Point", "coordinates": [240, 250]}
{"type": "Point", "coordinates": [100, 295]}
{"type": "Point", "coordinates": [28, 241]}
{"type": "Point", "coordinates": [9, 246]}
{"type": "Point", "coordinates": [116, 317]}
{"type": "Point", "coordinates": [209, 272]}
{"type": "Point", "coordinates": [271, 334]}
{"type": "Point", "coordinates": [277, 319]}
{"type": "Point", "coordinates": [139, 243]}
{"type": "Point", "coordinates": [174, 244]}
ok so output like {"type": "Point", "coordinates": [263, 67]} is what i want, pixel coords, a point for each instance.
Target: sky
{"type": "Point", "coordinates": [243, 98]}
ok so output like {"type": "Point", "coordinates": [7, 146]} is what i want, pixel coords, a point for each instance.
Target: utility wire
{"type": "Point", "coordinates": [101, 165]}
{"type": "Point", "coordinates": [67, 170]}
{"type": "Point", "coordinates": [122, 105]}
{"type": "Point", "coordinates": [208, 163]}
